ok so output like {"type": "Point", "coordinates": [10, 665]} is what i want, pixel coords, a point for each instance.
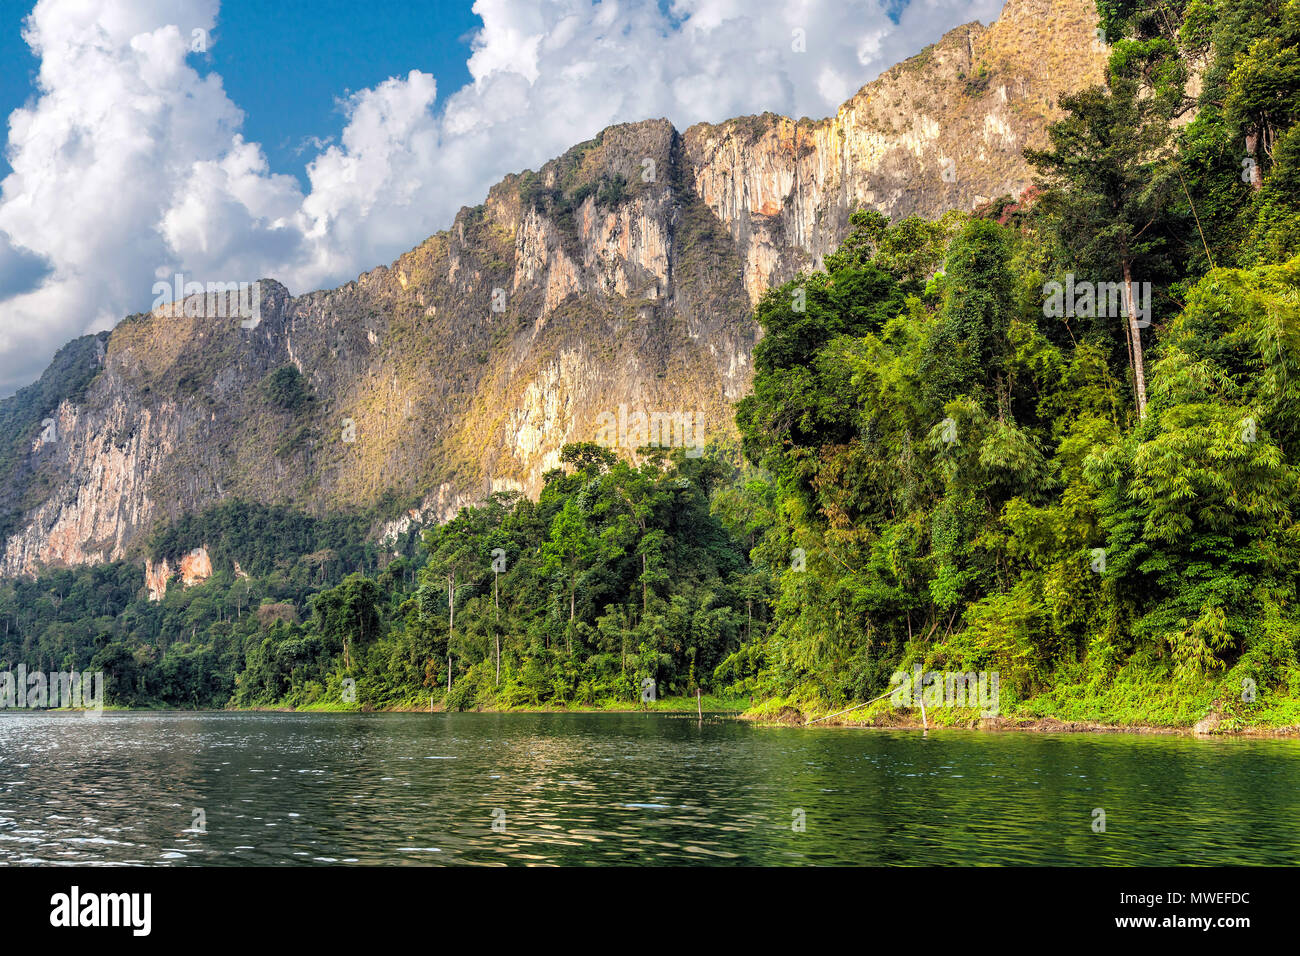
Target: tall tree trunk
{"type": "Point", "coordinates": [496, 621]}
{"type": "Point", "coordinates": [1135, 336]}
{"type": "Point", "coordinates": [451, 622]}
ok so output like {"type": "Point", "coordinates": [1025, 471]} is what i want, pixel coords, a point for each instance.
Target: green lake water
{"type": "Point", "coordinates": [628, 789]}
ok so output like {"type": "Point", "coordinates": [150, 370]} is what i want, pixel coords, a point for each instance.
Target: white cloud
{"type": "Point", "coordinates": [129, 164]}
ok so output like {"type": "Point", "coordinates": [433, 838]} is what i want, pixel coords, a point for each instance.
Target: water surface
{"type": "Point", "coordinates": [630, 789]}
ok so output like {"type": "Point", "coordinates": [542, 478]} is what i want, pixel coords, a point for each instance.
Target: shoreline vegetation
{"type": "Point", "coordinates": [777, 712]}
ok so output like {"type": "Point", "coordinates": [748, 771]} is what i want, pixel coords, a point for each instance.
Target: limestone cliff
{"type": "Point", "coordinates": [617, 279]}
{"type": "Point", "coordinates": [942, 130]}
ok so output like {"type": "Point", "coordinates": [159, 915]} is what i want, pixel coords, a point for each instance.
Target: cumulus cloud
{"type": "Point", "coordinates": [128, 165]}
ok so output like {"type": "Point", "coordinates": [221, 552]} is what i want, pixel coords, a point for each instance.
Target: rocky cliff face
{"type": "Point", "coordinates": [942, 130]}
{"type": "Point", "coordinates": [618, 279]}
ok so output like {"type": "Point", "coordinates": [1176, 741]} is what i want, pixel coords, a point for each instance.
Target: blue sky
{"type": "Point", "coordinates": [315, 139]}
{"type": "Point", "coordinates": [19, 73]}
{"type": "Point", "coordinates": [286, 62]}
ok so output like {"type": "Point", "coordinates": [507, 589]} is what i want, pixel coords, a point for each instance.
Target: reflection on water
{"type": "Point", "coordinates": [624, 789]}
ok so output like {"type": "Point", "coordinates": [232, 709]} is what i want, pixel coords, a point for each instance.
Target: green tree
{"type": "Point", "coordinates": [1106, 176]}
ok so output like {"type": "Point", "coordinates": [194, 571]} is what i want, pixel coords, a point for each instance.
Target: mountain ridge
{"type": "Point", "coordinates": [621, 273]}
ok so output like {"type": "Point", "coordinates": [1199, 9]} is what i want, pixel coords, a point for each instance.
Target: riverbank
{"type": "Point", "coordinates": [1049, 725]}
{"type": "Point", "coordinates": [1140, 697]}
{"type": "Point", "coordinates": [1218, 720]}
{"type": "Point", "coordinates": [709, 703]}
{"type": "Point", "coordinates": [881, 715]}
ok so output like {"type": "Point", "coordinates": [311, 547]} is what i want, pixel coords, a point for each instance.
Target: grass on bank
{"type": "Point", "coordinates": [1141, 694]}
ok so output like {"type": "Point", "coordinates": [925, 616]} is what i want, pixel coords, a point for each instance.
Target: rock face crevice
{"type": "Point", "coordinates": [621, 275]}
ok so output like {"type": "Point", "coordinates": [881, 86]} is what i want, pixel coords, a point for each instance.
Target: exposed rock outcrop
{"type": "Point", "coordinates": [194, 568]}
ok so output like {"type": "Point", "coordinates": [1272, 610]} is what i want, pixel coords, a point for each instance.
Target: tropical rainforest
{"type": "Point", "coordinates": [1056, 438]}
